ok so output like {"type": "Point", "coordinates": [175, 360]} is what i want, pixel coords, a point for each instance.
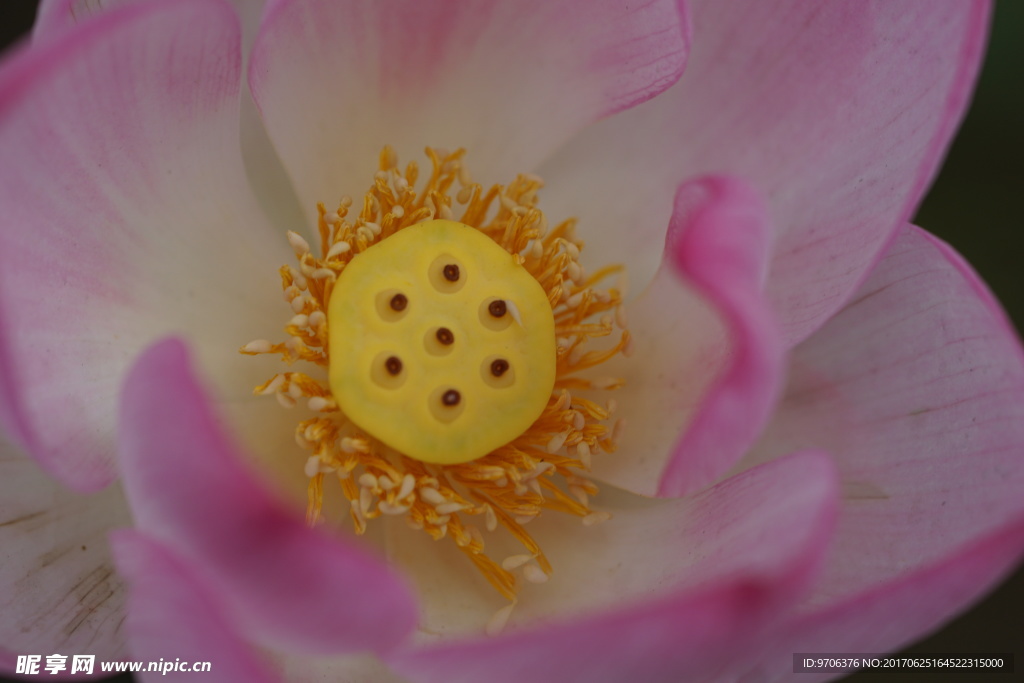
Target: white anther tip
{"type": "Point", "coordinates": [300, 245]}
{"type": "Point", "coordinates": [556, 442]}
{"type": "Point", "coordinates": [339, 248]}
{"type": "Point", "coordinates": [318, 404]}
{"type": "Point", "coordinates": [391, 509]}
{"type": "Point", "coordinates": [408, 484]}
{"type": "Point", "coordinates": [496, 624]}
{"type": "Point", "coordinates": [515, 561]}
{"type": "Point", "coordinates": [312, 466]}
{"type": "Point", "coordinates": [513, 310]}
{"type": "Point", "coordinates": [258, 346]}
{"type": "Point", "coordinates": [432, 496]}
{"type": "Point", "coordinates": [596, 518]}
{"type": "Point", "coordinates": [534, 574]}
{"type": "Point", "coordinates": [449, 508]}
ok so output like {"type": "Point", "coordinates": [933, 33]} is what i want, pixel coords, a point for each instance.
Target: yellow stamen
{"type": "Point", "coordinates": [514, 450]}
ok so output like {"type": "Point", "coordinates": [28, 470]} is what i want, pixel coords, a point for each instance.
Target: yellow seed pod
{"type": "Point", "coordinates": [441, 345]}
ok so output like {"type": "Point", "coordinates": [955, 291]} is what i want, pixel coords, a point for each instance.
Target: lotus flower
{"type": "Point", "coordinates": [822, 411]}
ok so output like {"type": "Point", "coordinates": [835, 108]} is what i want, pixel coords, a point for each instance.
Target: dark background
{"type": "Point", "coordinates": [977, 205]}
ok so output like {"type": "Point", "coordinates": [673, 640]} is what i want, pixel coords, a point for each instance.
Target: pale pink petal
{"type": "Point", "coordinates": [174, 616]}
{"type": "Point", "coordinates": [917, 387]}
{"type": "Point", "coordinates": [665, 590]}
{"type": "Point", "coordinates": [838, 112]}
{"type": "Point", "coordinates": [126, 215]}
{"type": "Point", "coordinates": [509, 81]}
{"type": "Point", "coordinates": [54, 16]}
{"type": "Point", "coordinates": [888, 616]}
{"type": "Point", "coordinates": [713, 534]}
{"type": "Point", "coordinates": [292, 586]}
{"type": "Point", "coordinates": [270, 183]}
{"type": "Point", "coordinates": [60, 591]}
{"type": "Point", "coordinates": [263, 168]}
{"type": "Point", "coordinates": [708, 358]}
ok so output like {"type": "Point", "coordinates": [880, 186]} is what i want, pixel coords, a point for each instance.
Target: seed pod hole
{"type": "Point", "coordinates": [447, 274]}
{"type": "Point", "coordinates": [497, 372]}
{"type": "Point", "coordinates": [494, 314]}
{"type": "Point", "coordinates": [391, 305]}
{"type": "Point", "coordinates": [388, 371]}
{"type": "Point", "coordinates": [446, 404]}
{"type": "Point", "coordinates": [439, 341]}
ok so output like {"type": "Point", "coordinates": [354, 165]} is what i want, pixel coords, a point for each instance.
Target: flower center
{"type": "Point", "coordinates": [436, 365]}
{"type": "Point", "coordinates": [452, 380]}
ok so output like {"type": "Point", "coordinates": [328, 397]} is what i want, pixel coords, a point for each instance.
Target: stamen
{"type": "Point", "coordinates": [408, 486]}
{"type": "Point", "coordinates": [533, 573]}
{"type": "Point", "coordinates": [258, 346]}
{"type": "Point", "coordinates": [515, 561]}
{"type": "Point", "coordinates": [514, 312]}
{"type": "Point", "coordinates": [339, 248]}
{"type": "Point", "coordinates": [596, 518]}
{"type": "Point", "coordinates": [497, 623]}
{"type": "Point", "coordinates": [539, 467]}
{"type": "Point", "coordinates": [300, 245]}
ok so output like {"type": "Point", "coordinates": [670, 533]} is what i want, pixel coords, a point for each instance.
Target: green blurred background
{"type": "Point", "coordinates": [977, 205]}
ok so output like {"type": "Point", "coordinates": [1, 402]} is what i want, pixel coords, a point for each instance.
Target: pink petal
{"type": "Point", "coordinates": [708, 358]}
{"type": "Point", "coordinates": [838, 112]}
{"type": "Point", "coordinates": [126, 215]}
{"type": "Point", "coordinates": [888, 616]}
{"type": "Point", "coordinates": [290, 585]}
{"type": "Point", "coordinates": [509, 81]}
{"type": "Point", "coordinates": [689, 583]}
{"type": "Point", "coordinates": [60, 592]}
{"type": "Point", "coordinates": [917, 387]}
{"type": "Point", "coordinates": [174, 616]}
{"type": "Point", "coordinates": [54, 16]}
